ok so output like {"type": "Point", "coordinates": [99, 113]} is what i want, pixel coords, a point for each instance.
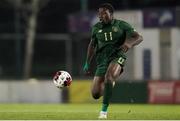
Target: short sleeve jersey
{"type": "Point", "coordinates": [112, 35]}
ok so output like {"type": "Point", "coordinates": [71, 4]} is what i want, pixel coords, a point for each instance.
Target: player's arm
{"type": "Point", "coordinates": [90, 51]}
{"type": "Point", "coordinates": [90, 54]}
{"type": "Point", "coordinates": [131, 41]}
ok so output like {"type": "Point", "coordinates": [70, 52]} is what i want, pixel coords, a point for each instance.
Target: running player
{"type": "Point", "coordinates": [110, 40]}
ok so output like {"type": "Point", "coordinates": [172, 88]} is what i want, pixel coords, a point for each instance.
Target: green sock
{"type": "Point", "coordinates": [107, 95]}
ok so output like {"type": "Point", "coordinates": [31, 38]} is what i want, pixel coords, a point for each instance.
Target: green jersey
{"type": "Point", "coordinates": [107, 39]}
{"type": "Point", "coordinates": [111, 35]}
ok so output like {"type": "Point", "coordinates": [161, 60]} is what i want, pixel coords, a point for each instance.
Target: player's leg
{"type": "Point", "coordinates": [98, 82]}
{"type": "Point", "coordinates": [112, 74]}
{"type": "Point", "coordinates": [97, 87]}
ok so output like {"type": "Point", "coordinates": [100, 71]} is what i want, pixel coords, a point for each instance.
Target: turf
{"type": "Point", "coordinates": [87, 111]}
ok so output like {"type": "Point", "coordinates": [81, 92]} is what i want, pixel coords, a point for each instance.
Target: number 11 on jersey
{"type": "Point", "coordinates": [108, 36]}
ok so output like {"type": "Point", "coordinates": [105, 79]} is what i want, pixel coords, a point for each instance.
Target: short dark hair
{"type": "Point", "coordinates": [107, 6]}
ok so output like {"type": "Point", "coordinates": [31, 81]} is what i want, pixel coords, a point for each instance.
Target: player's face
{"type": "Point", "coordinates": [104, 15]}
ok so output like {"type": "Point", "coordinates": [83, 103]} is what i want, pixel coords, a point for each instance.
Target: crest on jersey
{"type": "Point", "coordinates": [114, 29]}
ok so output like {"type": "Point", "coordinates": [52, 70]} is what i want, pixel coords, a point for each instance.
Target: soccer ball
{"type": "Point", "coordinates": [62, 79]}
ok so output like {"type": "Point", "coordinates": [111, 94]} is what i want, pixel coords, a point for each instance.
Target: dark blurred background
{"type": "Point", "coordinates": [49, 49]}
{"type": "Point", "coordinates": [40, 37]}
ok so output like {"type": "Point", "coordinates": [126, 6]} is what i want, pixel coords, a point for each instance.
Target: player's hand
{"type": "Point", "coordinates": [86, 68]}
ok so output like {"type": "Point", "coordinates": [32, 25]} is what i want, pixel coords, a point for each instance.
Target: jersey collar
{"type": "Point", "coordinates": [113, 21]}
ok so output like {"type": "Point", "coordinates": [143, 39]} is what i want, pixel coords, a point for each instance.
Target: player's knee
{"type": "Point", "coordinates": [114, 76]}
{"type": "Point", "coordinates": [110, 77]}
{"type": "Point", "coordinates": [96, 95]}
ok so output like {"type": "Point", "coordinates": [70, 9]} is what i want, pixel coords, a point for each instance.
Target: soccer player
{"type": "Point", "coordinates": [110, 40]}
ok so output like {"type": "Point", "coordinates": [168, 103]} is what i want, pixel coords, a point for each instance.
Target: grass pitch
{"type": "Point", "coordinates": [87, 112]}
